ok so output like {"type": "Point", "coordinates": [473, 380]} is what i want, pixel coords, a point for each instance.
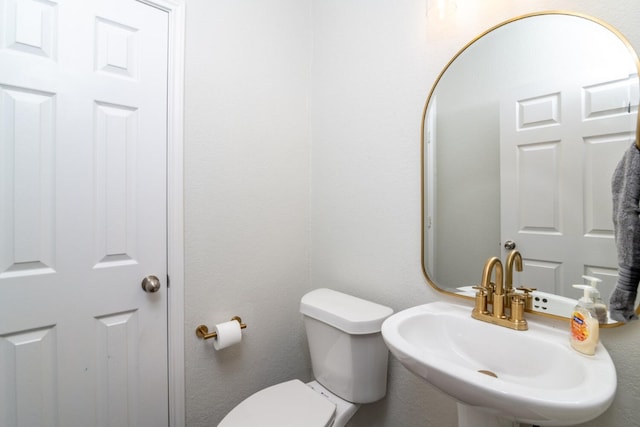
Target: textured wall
{"type": "Point", "coordinates": [246, 196]}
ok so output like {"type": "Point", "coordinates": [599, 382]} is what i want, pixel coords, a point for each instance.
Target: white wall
{"type": "Point", "coordinates": [246, 195]}
{"type": "Point", "coordinates": [264, 223]}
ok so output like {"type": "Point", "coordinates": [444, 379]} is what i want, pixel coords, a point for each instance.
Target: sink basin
{"type": "Point", "coordinates": [531, 376]}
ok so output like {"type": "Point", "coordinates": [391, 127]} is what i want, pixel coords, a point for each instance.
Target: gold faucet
{"type": "Point", "coordinates": [488, 291]}
{"type": "Point", "coordinates": [498, 291]}
{"type": "Point", "coordinates": [514, 257]}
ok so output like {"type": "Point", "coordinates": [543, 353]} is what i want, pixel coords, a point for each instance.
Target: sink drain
{"type": "Point", "coordinates": [491, 374]}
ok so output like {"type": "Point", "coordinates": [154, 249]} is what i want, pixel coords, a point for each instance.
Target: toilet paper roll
{"type": "Point", "coordinates": [229, 333]}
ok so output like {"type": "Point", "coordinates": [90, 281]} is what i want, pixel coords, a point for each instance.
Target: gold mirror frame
{"type": "Point", "coordinates": [620, 36]}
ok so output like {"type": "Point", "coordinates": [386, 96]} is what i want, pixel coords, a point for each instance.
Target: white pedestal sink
{"type": "Point", "coordinates": [500, 374]}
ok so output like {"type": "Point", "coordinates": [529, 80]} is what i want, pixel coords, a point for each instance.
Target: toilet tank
{"type": "Point", "coordinates": [348, 354]}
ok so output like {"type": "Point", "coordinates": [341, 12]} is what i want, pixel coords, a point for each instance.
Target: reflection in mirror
{"type": "Point", "coordinates": [522, 132]}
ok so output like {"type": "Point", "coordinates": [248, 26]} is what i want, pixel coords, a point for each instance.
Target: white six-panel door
{"type": "Point", "coordinates": [560, 143]}
{"type": "Point", "coordinates": [83, 106]}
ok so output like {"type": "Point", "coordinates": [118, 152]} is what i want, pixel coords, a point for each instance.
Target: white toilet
{"type": "Point", "coordinates": [349, 361]}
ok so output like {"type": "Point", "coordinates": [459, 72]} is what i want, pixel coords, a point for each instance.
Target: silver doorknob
{"type": "Point", "coordinates": [509, 245]}
{"type": "Point", "coordinates": [151, 284]}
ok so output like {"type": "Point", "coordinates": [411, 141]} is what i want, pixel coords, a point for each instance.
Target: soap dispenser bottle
{"type": "Point", "coordinates": [599, 306]}
{"type": "Point", "coordinates": [585, 331]}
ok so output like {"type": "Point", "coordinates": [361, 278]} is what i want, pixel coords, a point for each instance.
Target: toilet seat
{"type": "Point", "coordinates": [288, 404]}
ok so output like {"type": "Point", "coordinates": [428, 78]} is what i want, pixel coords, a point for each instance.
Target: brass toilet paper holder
{"type": "Point", "coordinates": [203, 332]}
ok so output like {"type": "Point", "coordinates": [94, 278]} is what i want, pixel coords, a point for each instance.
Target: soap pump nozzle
{"type": "Point", "coordinates": [592, 294]}
{"type": "Point", "coordinates": [601, 308]}
{"type": "Point", "coordinates": [592, 281]}
{"type": "Point", "coordinates": [587, 296]}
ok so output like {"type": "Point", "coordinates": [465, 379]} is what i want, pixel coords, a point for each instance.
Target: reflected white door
{"type": "Point", "coordinates": [559, 146]}
{"type": "Point", "coordinates": [83, 104]}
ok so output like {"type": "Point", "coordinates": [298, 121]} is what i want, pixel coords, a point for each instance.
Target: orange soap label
{"type": "Point", "coordinates": [579, 328]}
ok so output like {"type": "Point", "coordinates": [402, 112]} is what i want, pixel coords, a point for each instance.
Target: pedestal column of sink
{"type": "Point", "coordinates": [468, 416]}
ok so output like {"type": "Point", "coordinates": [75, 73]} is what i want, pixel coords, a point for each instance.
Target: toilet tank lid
{"type": "Point", "coordinates": [348, 313]}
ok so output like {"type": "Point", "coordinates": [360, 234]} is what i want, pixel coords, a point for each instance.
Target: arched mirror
{"type": "Point", "coordinates": [521, 133]}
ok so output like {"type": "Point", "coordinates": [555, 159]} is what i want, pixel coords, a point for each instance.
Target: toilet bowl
{"type": "Point", "coordinates": [291, 404]}
{"type": "Point", "coordinates": [349, 363]}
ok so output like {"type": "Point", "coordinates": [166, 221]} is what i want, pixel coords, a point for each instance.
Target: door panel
{"type": "Point", "coordinates": [560, 143]}
{"type": "Point", "coordinates": [83, 92]}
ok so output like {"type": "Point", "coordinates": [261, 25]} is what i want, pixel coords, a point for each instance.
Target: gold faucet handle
{"type": "Point", "coordinates": [481, 300]}
{"type": "Point", "coordinates": [528, 302]}
{"type": "Point", "coordinates": [481, 290]}
{"type": "Point", "coordinates": [518, 302]}
{"type": "Point", "coordinates": [486, 291]}
{"type": "Point", "coordinates": [519, 297]}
